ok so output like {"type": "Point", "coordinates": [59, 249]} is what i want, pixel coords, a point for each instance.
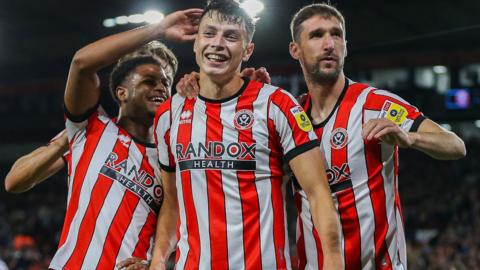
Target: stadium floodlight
{"type": "Point", "coordinates": [136, 18]}
{"type": "Point", "coordinates": [477, 123]}
{"type": "Point", "coordinates": [440, 69]}
{"type": "Point", "coordinates": [109, 22]}
{"type": "Point", "coordinates": [121, 20]}
{"type": "Point", "coordinates": [252, 7]}
{"type": "Point", "coordinates": [153, 16]}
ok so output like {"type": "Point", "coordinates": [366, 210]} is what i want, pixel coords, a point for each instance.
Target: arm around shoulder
{"type": "Point", "coordinates": [35, 167]}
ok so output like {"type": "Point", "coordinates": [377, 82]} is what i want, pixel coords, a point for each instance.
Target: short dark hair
{"type": "Point", "coordinates": [230, 11]}
{"type": "Point", "coordinates": [124, 68]}
{"type": "Point", "coordinates": [321, 9]}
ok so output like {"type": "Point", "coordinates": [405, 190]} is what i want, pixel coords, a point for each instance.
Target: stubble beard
{"type": "Point", "coordinates": [315, 73]}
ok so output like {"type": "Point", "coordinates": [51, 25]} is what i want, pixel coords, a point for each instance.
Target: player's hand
{"type": "Point", "coordinates": [133, 263]}
{"type": "Point", "coordinates": [260, 74]}
{"type": "Point", "coordinates": [387, 131]}
{"type": "Point", "coordinates": [188, 85]}
{"type": "Point", "coordinates": [181, 26]}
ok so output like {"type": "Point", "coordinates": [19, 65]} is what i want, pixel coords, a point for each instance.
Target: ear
{"type": "Point", "coordinates": [346, 49]}
{"type": "Point", "coordinates": [122, 93]}
{"type": "Point", "coordinates": [195, 44]}
{"type": "Point", "coordinates": [248, 51]}
{"type": "Point", "coordinates": [294, 50]}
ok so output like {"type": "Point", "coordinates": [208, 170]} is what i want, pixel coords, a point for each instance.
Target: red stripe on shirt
{"type": "Point", "coordinates": [216, 197]}
{"type": "Point", "coordinates": [277, 196]}
{"type": "Point", "coordinates": [143, 244]}
{"type": "Point", "coordinates": [346, 198]}
{"type": "Point", "coordinates": [248, 189]}
{"type": "Point", "coordinates": [94, 132]}
{"type": "Point", "coordinates": [95, 205]}
{"type": "Point", "coordinates": [184, 137]}
{"type": "Point", "coordinates": [373, 155]}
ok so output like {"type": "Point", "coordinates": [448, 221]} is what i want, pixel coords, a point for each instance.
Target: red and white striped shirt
{"type": "Point", "coordinates": [227, 155]}
{"type": "Point", "coordinates": [113, 196]}
{"type": "Point", "coordinates": [363, 179]}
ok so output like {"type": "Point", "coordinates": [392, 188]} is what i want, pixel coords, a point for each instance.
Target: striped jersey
{"type": "Point", "coordinates": [363, 178]}
{"type": "Point", "coordinates": [227, 155]}
{"type": "Point", "coordinates": [113, 196]}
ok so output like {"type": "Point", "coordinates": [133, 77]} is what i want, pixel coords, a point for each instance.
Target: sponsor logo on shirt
{"type": "Point", "coordinates": [137, 181]}
{"type": "Point", "coordinates": [394, 112]}
{"type": "Point", "coordinates": [339, 138]}
{"type": "Point", "coordinates": [302, 119]}
{"type": "Point", "coordinates": [243, 119]}
{"type": "Point", "coordinates": [216, 155]}
{"type": "Point", "coordinates": [186, 117]}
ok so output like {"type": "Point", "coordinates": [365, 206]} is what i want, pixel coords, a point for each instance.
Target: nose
{"type": "Point", "coordinates": [218, 41]}
{"type": "Point", "coordinates": [328, 42]}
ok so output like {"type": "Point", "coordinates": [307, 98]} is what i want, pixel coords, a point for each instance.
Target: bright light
{"type": "Point", "coordinates": [477, 123]}
{"type": "Point", "coordinates": [447, 126]}
{"type": "Point", "coordinates": [440, 69]}
{"type": "Point", "coordinates": [252, 7]}
{"type": "Point", "coordinates": [109, 22]}
{"type": "Point", "coordinates": [121, 20]}
{"type": "Point", "coordinates": [136, 18]}
{"type": "Point", "coordinates": [152, 16]}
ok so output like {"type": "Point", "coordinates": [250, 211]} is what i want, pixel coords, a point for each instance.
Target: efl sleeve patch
{"type": "Point", "coordinates": [395, 112]}
{"type": "Point", "coordinates": [302, 119]}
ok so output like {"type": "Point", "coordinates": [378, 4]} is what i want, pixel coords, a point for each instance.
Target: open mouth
{"type": "Point", "coordinates": [157, 100]}
{"type": "Point", "coordinates": [217, 58]}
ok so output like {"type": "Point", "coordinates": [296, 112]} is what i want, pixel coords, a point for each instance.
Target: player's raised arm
{"type": "Point", "coordinates": [31, 169]}
{"type": "Point", "coordinates": [310, 173]}
{"type": "Point", "coordinates": [165, 239]}
{"type": "Point", "coordinates": [83, 85]}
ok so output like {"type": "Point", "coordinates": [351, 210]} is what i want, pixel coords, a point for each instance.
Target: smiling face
{"type": "Point", "coordinates": [145, 88]}
{"type": "Point", "coordinates": [321, 48]}
{"type": "Point", "coordinates": [221, 46]}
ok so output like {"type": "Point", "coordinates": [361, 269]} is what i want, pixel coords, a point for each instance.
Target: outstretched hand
{"type": "Point", "coordinates": [181, 26]}
{"type": "Point", "coordinates": [387, 131]}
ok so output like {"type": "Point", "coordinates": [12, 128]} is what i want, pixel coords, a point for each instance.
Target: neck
{"type": "Point", "coordinates": [213, 88]}
{"type": "Point", "coordinates": [138, 128]}
{"type": "Point", "coordinates": [324, 96]}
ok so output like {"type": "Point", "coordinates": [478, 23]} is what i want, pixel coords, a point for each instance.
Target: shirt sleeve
{"type": "Point", "coordinates": [76, 126]}
{"type": "Point", "coordinates": [384, 104]}
{"type": "Point", "coordinates": [162, 123]}
{"type": "Point", "coordinates": [292, 125]}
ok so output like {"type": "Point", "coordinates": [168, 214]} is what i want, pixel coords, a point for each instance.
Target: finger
{"type": "Point", "coordinates": [180, 87]}
{"type": "Point", "coordinates": [262, 75]}
{"type": "Point", "coordinates": [377, 128]}
{"type": "Point", "coordinates": [193, 12]}
{"type": "Point", "coordinates": [367, 127]}
{"type": "Point", "coordinates": [386, 131]}
{"type": "Point", "coordinates": [193, 82]}
{"type": "Point", "coordinates": [247, 72]}
{"type": "Point", "coordinates": [125, 263]}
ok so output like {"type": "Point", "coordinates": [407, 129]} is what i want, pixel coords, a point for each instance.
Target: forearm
{"type": "Point", "coordinates": [107, 51]}
{"type": "Point", "coordinates": [35, 167]}
{"type": "Point", "coordinates": [442, 145]}
{"type": "Point", "coordinates": [165, 239]}
{"type": "Point", "coordinates": [326, 222]}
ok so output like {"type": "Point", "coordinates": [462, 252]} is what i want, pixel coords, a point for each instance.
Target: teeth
{"type": "Point", "coordinates": [216, 57]}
